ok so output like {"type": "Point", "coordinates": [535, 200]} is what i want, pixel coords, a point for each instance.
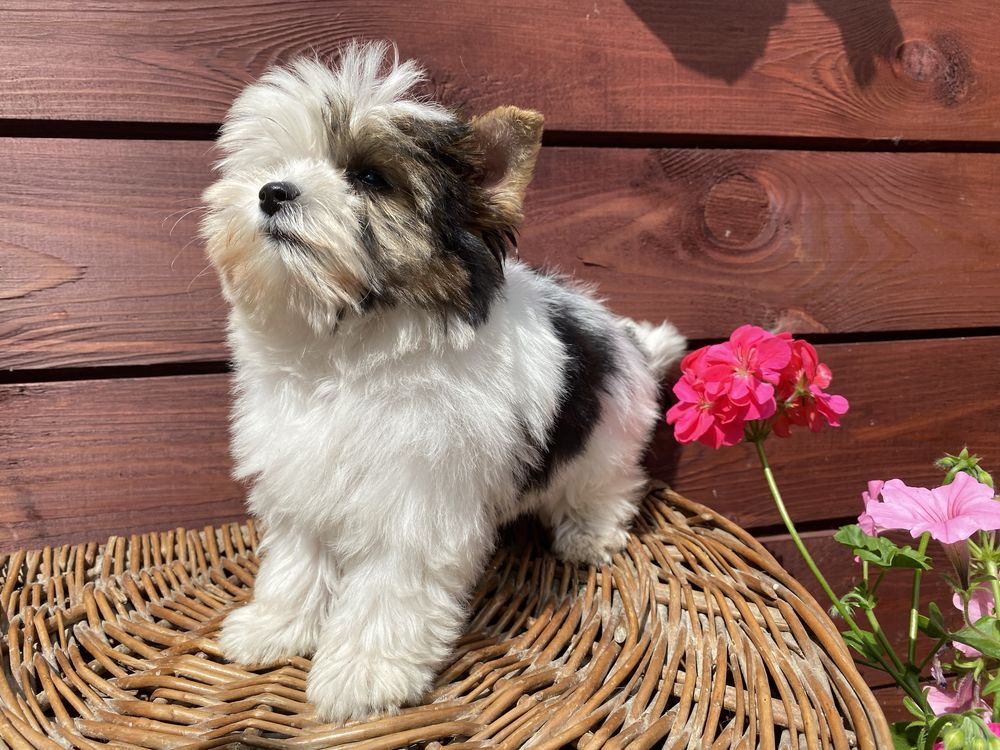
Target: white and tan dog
{"type": "Point", "coordinates": [402, 388]}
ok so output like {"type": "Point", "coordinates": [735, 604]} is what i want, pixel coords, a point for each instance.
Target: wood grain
{"type": "Point", "coordinates": [846, 68]}
{"type": "Point", "coordinates": [101, 265]}
{"type": "Point", "coordinates": [911, 402]}
{"type": "Point", "coordinates": [82, 459]}
{"type": "Point", "coordinates": [99, 257]}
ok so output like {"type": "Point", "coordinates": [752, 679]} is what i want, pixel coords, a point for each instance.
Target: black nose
{"type": "Point", "coordinates": [273, 194]}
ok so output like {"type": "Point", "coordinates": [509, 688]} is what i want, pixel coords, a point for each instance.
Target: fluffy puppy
{"type": "Point", "coordinates": [401, 387]}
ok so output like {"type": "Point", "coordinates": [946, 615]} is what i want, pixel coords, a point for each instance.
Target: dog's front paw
{"type": "Point", "coordinates": [577, 545]}
{"type": "Point", "coordinates": [257, 634]}
{"type": "Point", "coordinates": [360, 686]}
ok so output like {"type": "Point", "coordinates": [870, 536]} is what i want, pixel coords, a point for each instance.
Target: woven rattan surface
{"type": "Point", "coordinates": [693, 638]}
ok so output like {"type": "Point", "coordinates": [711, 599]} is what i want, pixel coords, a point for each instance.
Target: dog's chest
{"type": "Point", "coordinates": [324, 447]}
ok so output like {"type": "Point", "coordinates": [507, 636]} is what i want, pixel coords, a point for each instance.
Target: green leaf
{"type": "Point", "coordinates": [880, 551]}
{"type": "Point", "coordinates": [992, 686]}
{"type": "Point", "coordinates": [905, 735]}
{"type": "Point", "coordinates": [852, 535]}
{"type": "Point", "coordinates": [865, 644]}
{"type": "Point", "coordinates": [933, 623]}
{"type": "Point", "coordinates": [984, 637]}
{"type": "Point", "coordinates": [911, 705]}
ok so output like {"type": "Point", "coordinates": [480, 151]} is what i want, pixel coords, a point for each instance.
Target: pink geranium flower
{"type": "Point", "coordinates": [951, 513]}
{"type": "Point", "coordinates": [754, 376]}
{"type": "Point", "coordinates": [800, 392]}
{"type": "Point", "coordinates": [703, 415]}
{"type": "Point", "coordinates": [964, 698]}
{"type": "Point", "coordinates": [750, 365]}
{"type": "Point", "coordinates": [703, 411]}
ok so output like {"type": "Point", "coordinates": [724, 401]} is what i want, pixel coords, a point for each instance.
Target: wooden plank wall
{"type": "Point", "coordinates": [829, 167]}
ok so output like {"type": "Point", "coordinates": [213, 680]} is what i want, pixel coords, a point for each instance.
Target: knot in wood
{"type": "Point", "coordinates": [941, 61]}
{"type": "Point", "coordinates": [920, 60]}
{"type": "Point", "coordinates": [738, 213]}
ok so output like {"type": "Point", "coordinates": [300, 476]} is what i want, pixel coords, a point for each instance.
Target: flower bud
{"type": "Point", "coordinates": [963, 462]}
{"type": "Point", "coordinates": [954, 739]}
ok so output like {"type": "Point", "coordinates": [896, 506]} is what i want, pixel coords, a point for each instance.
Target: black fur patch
{"type": "Point", "coordinates": [485, 275]}
{"type": "Point", "coordinates": [480, 253]}
{"type": "Point", "coordinates": [590, 363]}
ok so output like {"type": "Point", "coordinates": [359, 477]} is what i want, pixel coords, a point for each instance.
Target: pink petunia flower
{"type": "Point", "coordinates": [964, 698]}
{"type": "Point", "coordinates": [980, 604]}
{"type": "Point", "coordinates": [951, 513]}
{"type": "Point", "coordinates": [870, 496]}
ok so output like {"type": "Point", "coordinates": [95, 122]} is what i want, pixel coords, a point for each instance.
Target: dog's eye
{"type": "Point", "coordinates": [370, 179]}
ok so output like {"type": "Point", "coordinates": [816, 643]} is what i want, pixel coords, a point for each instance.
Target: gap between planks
{"type": "Point", "coordinates": [209, 131]}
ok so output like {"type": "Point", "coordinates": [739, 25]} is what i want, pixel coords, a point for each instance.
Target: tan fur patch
{"type": "Point", "coordinates": [510, 139]}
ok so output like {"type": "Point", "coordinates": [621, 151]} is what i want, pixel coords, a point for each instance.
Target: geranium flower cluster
{"type": "Point", "coordinates": [754, 376]}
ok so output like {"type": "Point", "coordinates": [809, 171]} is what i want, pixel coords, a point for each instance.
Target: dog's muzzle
{"type": "Point", "coordinates": [275, 194]}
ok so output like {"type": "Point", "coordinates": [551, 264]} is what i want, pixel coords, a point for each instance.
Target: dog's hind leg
{"type": "Point", "coordinates": [591, 515]}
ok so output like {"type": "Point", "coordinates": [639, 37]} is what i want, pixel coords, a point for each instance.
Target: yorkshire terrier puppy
{"type": "Point", "coordinates": [402, 388]}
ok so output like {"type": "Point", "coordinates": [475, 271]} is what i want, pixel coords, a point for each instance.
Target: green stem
{"type": "Point", "coordinates": [880, 636]}
{"type": "Point", "coordinates": [911, 648]}
{"type": "Point", "coordinates": [896, 673]}
{"type": "Point", "coordinates": [991, 571]}
{"type": "Point", "coordinates": [878, 582]}
{"type": "Point", "coordinates": [799, 544]}
{"type": "Point", "coordinates": [995, 716]}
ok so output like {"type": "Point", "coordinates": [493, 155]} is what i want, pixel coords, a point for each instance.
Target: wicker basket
{"type": "Point", "coordinates": [694, 638]}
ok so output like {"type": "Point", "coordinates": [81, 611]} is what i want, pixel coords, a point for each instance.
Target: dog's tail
{"type": "Point", "coordinates": [663, 345]}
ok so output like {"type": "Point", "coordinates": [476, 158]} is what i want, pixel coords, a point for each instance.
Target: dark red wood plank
{"type": "Point", "coordinates": [95, 272]}
{"type": "Point", "coordinates": [847, 68]}
{"type": "Point", "coordinates": [101, 265]}
{"type": "Point", "coordinates": [82, 459]}
{"type": "Point", "coordinates": [798, 240]}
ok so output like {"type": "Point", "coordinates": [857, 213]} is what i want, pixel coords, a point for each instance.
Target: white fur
{"type": "Point", "coordinates": [384, 450]}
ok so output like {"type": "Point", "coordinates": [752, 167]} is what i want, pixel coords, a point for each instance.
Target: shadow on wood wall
{"type": "Point", "coordinates": [731, 35]}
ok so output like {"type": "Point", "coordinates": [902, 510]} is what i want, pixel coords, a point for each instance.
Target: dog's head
{"type": "Point", "coordinates": [341, 192]}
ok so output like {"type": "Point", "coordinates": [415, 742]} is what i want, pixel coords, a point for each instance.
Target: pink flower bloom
{"type": "Point", "coordinates": [870, 496]}
{"type": "Point", "coordinates": [951, 513]}
{"type": "Point", "coordinates": [980, 604]}
{"type": "Point", "coordinates": [703, 411]}
{"type": "Point", "coordinates": [750, 364]}
{"type": "Point", "coordinates": [800, 393]}
{"type": "Point", "coordinates": [703, 415]}
{"type": "Point", "coordinates": [964, 698]}
{"type": "Point", "coordinates": [753, 376]}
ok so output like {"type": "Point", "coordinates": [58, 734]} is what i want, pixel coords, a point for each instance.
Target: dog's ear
{"type": "Point", "coordinates": [508, 140]}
